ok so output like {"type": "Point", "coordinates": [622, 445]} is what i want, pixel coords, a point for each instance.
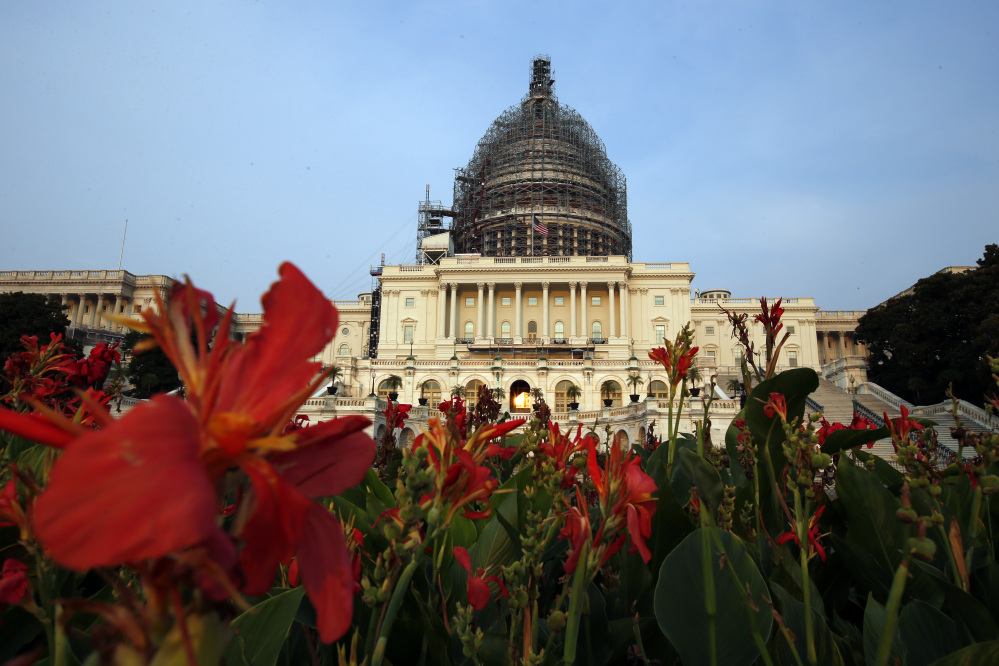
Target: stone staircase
{"type": "Point", "coordinates": [837, 407]}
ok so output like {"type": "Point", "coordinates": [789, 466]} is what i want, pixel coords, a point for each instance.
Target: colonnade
{"type": "Point", "coordinates": [486, 319]}
{"type": "Point", "coordinates": [100, 304]}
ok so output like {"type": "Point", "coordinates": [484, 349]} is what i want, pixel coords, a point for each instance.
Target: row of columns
{"type": "Point", "coordinates": [99, 301]}
{"type": "Point", "coordinates": [447, 310]}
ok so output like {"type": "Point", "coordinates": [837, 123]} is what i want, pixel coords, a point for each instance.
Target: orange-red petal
{"type": "Point", "coordinates": [133, 491]}
{"type": "Point", "coordinates": [327, 572]}
{"type": "Point", "coordinates": [330, 457]}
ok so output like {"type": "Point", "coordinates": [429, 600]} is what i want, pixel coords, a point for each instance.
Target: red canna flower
{"type": "Point", "coordinates": [676, 357]}
{"type": "Point", "coordinates": [478, 587]}
{"type": "Point", "coordinates": [13, 582]}
{"type": "Point", "coordinates": [462, 478]}
{"type": "Point", "coordinates": [561, 450]}
{"type": "Point", "coordinates": [770, 317]}
{"type": "Point", "coordinates": [105, 504]}
{"type": "Point", "coordinates": [776, 405]}
{"type": "Point", "coordinates": [901, 428]}
{"type": "Point", "coordinates": [857, 423]}
{"type": "Point", "coordinates": [625, 497]}
{"type": "Point", "coordinates": [814, 545]}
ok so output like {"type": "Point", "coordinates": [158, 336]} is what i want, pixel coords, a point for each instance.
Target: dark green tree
{"type": "Point", "coordinates": [938, 335]}
{"type": "Point", "coordinates": [149, 371]}
{"type": "Point", "coordinates": [28, 314]}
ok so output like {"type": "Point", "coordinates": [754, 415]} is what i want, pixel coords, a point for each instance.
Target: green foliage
{"type": "Point", "coordinates": [920, 343]}
{"type": "Point", "coordinates": [260, 632]}
{"type": "Point", "coordinates": [28, 314]}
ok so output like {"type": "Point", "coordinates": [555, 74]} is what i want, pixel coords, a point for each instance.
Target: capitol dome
{"type": "Point", "coordinates": [540, 162]}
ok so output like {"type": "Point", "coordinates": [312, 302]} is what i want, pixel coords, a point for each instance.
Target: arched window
{"type": "Point", "coordinates": [611, 390]}
{"type": "Point", "coordinates": [658, 389]}
{"type": "Point", "coordinates": [505, 329]}
{"type": "Point", "coordinates": [431, 390]}
{"type": "Point", "coordinates": [561, 399]}
{"type": "Point", "coordinates": [344, 350]}
{"type": "Point", "coordinates": [532, 330]}
{"type": "Point", "coordinates": [384, 390]}
{"type": "Point", "coordinates": [560, 330]}
{"type": "Point", "coordinates": [472, 392]}
{"type": "Point", "coordinates": [596, 331]}
{"type": "Point", "coordinates": [469, 330]}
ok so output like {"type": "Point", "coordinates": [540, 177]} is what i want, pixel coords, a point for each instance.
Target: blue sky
{"type": "Point", "coordinates": [839, 150]}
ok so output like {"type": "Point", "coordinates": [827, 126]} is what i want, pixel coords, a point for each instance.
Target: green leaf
{"type": "Point", "coordinates": [261, 631]}
{"type": "Point", "coordinates": [494, 546]}
{"type": "Point", "coordinates": [793, 612]}
{"type": "Point", "coordinates": [973, 655]}
{"type": "Point", "coordinates": [694, 470]}
{"type": "Point", "coordinates": [870, 511]}
{"type": "Point", "coordinates": [731, 448]}
{"type": "Point", "coordinates": [851, 439]}
{"type": "Point", "coordinates": [681, 610]}
{"type": "Point", "coordinates": [36, 458]}
{"type": "Point", "coordinates": [926, 634]}
{"type": "Point", "coordinates": [874, 627]}
{"type": "Point", "coordinates": [890, 477]}
{"type": "Point", "coordinates": [795, 385]}
{"type": "Point", "coordinates": [971, 614]}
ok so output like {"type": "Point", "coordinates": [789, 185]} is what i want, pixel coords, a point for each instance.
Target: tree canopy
{"type": "Point", "coordinates": [28, 314]}
{"type": "Point", "coordinates": [149, 372]}
{"type": "Point", "coordinates": [940, 334]}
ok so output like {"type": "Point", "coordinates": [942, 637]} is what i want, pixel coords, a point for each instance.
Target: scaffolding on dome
{"type": "Point", "coordinates": [541, 162]}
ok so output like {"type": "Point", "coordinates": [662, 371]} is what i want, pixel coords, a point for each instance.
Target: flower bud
{"type": "Point", "coordinates": [989, 484]}
{"type": "Point", "coordinates": [556, 621]}
{"type": "Point", "coordinates": [821, 460]}
{"type": "Point", "coordinates": [906, 516]}
{"type": "Point", "coordinates": [923, 549]}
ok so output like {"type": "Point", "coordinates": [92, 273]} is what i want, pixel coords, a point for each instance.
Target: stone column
{"type": "Point", "coordinates": [81, 299]}
{"type": "Point", "coordinates": [623, 286]}
{"type": "Point", "coordinates": [491, 314]}
{"type": "Point", "coordinates": [572, 310]}
{"type": "Point", "coordinates": [480, 323]}
{"type": "Point", "coordinates": [610, 309]}
{"type": "Point", "coordinates": [645, 320]}
{"type": "Point", "coordinates": [93, 310]}
{"type": "Point", "coordinates": [585, 322]}
{"type": "Point", "coordinates": [454, 310]}
{"type": "Point", "coordinates": [518, 309]}
{"type": "Point", "coordinates": [441, 308]}
{"type": "Point", "coordinates": [545, 332]}
{"type": "Point", "coordinates": [425, 294]}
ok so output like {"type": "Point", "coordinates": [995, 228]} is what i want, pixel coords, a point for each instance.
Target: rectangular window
{"type": "Point", "coordinates": [138, 309]}
{"type": "Point", "coordinates": [660, 300]}
{"type": "Point", "coordinates": [407, 334]}
{"type": "Point", "coordinates": [660, 334]}
{"type": "Point", "coordinates": [532, 300]}
{"type": "Point", "coordinates": [710, 353]}
{"type": "Point", "coordinates": [410, 302]}
{"type": "Point", "coordinates": [559, 300]}
{"type": "Point", "coordinates": [709, 330]}
{"type": "Point", "coordinates": [469, 300]}
{"type": "Point", "coordinates": [505, 300]}
{"type": "Point", "coordinates": [790, 330]}
{"type": "Point", "coordinates": [595, 300]}
{"type": "Point", "coordinates": [792, 359]}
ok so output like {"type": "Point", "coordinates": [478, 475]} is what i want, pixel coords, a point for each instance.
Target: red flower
{"type": "Point", "coordinates": [144, 486]}
{"type": "Point", "coordinates": [770, 318]}
{"type": "Point", "coordinates": [13, 582]}
{"type": "Point", "coordinates": [858, 423]}
{"type": "Point", "coordinates": [814, 546]}
{"type": "Point", "coordinates": [776, 405]}
{"type": "Point", "coordinates": [676, 357]}
{"type": "Point", "coordinates": [625, 493]}
{"type": "Point", "coordinates": [478, 587]}
{"type": "Point", "coordinates": [396, 415]}
{"type": "Point", "coordinates": [561, 450]}
{"type": "Point", "coordinates": [462, 479]}
{"type": "Point", "coordinates": [901, 427]}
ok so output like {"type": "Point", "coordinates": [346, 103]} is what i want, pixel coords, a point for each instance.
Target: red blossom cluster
{"type": "Point", "coordinates": [676, 357]}
{"type": "Point", "coordinates": [105, 502]}
{"type": "Point", "coordinates": [857, 423]}
{"type": "Point", "coordinates": [626, 505]}
{"type": "Point", "coordinates": [478, 584]}
{"type": "Point", "coordinates": [560, 450]}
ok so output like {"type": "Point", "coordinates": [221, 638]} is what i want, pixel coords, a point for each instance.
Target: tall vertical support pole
{"type": "Point", "coordinates": [572, 311]}
{"type": "Point", "coordinates": [518, 332]}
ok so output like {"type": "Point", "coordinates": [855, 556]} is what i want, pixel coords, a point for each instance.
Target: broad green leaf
{"type": "Point", "coordinates": [681, 608]}
{"type": "Point", "coordinates": [494, 547]}
{"type": "Point", "coordinates": [870, 511]}
{"type": "Point", "coordinates": [970, 614]}
{"type": "Point", "coordinates": [670, 524]}
{"type": "Point", "coordinates": [36, 458]}
{"type": "Point", "coordinates": [795, 385]}
{"type": "Point", "coordinates": [851, 439]}
{"type": "Point", "coordinates": [973, 655]}
{"type": "Point", "coordinates": [260, 632]}
{"type": "Point", "coordinates": [926, 634]}
{"type": "Point", "coordinates": [693, 470]}
{"type": "Point", "coordinates": [890, 477]}
{"type": "Point", "coordinates": [731, 448]}
{"type": "Point", "coordinates": [207, 637]}
{"type": "Point", "coordinates": [793, 612]}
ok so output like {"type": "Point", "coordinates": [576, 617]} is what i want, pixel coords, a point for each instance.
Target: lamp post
{"type": "Point", "coordinates": [372, 394]}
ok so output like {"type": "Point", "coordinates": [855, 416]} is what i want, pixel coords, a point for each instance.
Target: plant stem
{"type": "Point", "coordinates": [976, 508]}
{"type": "Point", "coordinates": [576, 596]}
{"type": "Point", "coordinates": [669, 432]}
{"type": "Point", "coordinates": [891, 611]}
{"type": "Point", "coordinates": [401, 588]}
{"type": "Point", "coordinates": [802, 519]}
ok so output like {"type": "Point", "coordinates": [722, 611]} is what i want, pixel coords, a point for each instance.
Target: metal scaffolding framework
{"type": "Point", "coordinates": [540, 159]}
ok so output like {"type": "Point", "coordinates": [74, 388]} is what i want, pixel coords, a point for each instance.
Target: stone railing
{"type": "Point", "coordinates": [49, 276]}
